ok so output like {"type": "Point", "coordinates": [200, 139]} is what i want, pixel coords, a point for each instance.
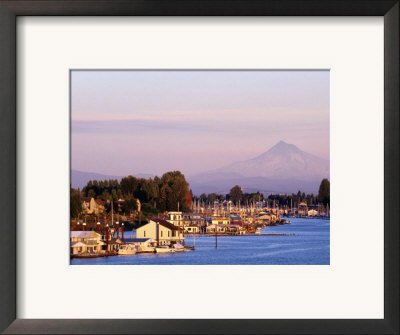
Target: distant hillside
{"type": "Point", "coordinates": [282, 169]}
{"type": "Point", "coordinates": [79, 179]}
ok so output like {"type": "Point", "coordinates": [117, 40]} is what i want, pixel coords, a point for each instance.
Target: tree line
{"type": "Point", "coordinates": [171, 192]}
{"type": "Point", "coordinates": [236, 195]}
{"type": "Point", "coordinates": [167, 193]}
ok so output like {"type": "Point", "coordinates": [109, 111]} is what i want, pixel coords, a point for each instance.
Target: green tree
{"type": "Point", "coordinates": [324, 192]}
{"type": "Point", "coordinates": [75, 203]}
{"type": "Point", "coordinates": [148, 211]}
{"type": "Point", "coordinates": [212, 197]}
{"type": "Point", "coordinates": [128, 186]}
{"type": "Point", "coordinates": [114, 195]}
{"type": "Point", "coordinates": [146, 190]}
{"type": "Point", "coordinates": [173, 191]}
{"type": "Point", "coordinates": [130, 205]}
{"type": "Point", "coordinates": [162, 198]}
{"type": "Point", "coordinates": [91, 193]}
{"type": "Point", "coordinates": [236, 194]}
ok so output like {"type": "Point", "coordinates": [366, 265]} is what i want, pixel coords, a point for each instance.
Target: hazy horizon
{"type": "Point", "coordinates": [129, 122]}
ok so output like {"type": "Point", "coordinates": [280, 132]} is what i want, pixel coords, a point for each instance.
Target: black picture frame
{"type": "Point", "coordinates": [10, 10]}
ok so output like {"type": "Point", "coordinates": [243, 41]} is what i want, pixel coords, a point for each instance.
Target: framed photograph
{"type": "Point", "coordinates": [203, 174]}
{"type": "Point", "coordinates": [199, 167]}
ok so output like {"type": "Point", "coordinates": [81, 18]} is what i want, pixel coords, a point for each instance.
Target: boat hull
{"type": "Point", "coordinates": [126, 252]}
{"type": "Point", "coordinates": [143, 250]}
{"type": "Point", "coordinates": [164, 250]}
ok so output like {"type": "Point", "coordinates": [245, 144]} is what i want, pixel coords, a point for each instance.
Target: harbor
{"type": "Point", "coordinates": [230, 164]}
{"type": "Point", "coordinates": [305, 241]}
{"type": "Point", "coordinates": [104, 235]}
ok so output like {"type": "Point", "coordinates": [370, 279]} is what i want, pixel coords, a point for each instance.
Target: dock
{"type": "Point", "coordinates": [224, 234]}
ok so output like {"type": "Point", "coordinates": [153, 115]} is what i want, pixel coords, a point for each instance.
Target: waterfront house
{"type": "Point", "coordinates": [193, 222]}
{"type": "Point", "coordinates": [212, 228]}
{"type": "Point", "coordinates": [78, 248]}
{"type": "Point", "coordinates": [192, 218]}
{"type": "Point", "coordinates": [175, 218]}
{"type": "Point", "coordinates": [162, 231]}
{"type": "Point", "coordinates": [235, 230]}
{"type": "Point", "coordinates": [219, 220]}
{"type": "Point", "coordinates": [193, 229]}
{"type": "Point", "coordinates": [86, 242]}
{"type": "Point", "coordinates": [226, 229]}
{"type": "Point", "coordinates": [85, 236]}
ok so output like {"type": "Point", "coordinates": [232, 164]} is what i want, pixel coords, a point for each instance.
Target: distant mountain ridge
{"type": "Point", "coordinates": [284, 168]}
{"type": "Point", "coordinates": [282, 161]}
{"type": "Point", "coordinates": [79, 179]}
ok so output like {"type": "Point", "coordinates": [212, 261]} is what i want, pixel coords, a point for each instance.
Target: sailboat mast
{"type": "Point", "coordinates": [112, 212]}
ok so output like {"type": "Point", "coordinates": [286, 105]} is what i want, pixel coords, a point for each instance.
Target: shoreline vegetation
{"type": "Point", "coordinates": [160, 211]}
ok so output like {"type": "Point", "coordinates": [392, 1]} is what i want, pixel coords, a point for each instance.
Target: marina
{"type": "Point", "coordinates": [215, 176]}
{"type": "Point", "coordinates": [303, 242]}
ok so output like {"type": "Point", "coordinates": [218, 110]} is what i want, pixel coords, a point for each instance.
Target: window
{"type": "Point", "coordinates": [144, 233]}
{"type": "Point", "coordinates": [168, 233]}
{"type": "Point", "coordinates": [161, 233]}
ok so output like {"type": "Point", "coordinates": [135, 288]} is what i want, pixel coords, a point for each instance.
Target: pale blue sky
{"type": "Point", "coordinates": [127, 122]}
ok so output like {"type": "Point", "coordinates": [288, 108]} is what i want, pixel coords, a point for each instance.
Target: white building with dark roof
{"type": "Point", "coordinates": [86, 242]}
{"type": "Point", "coordinates": [162, 231]}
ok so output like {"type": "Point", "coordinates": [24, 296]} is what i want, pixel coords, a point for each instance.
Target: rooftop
{"type": "Point", "coordinates": [83, 234]}
{"type": "Point", "coordinates": [136, 240]}
{"type": "Point", "coordinates": [165, 224]}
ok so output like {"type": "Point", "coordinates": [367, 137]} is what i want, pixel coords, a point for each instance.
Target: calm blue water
{"type": "Point", "coordinates": [309, 245]}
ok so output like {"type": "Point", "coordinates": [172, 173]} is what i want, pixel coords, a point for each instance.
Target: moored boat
{"type": "Point", "coordinates": [178, 247]}
{"type": "Point", "coordinates": [88, 255]}
{"type": "Point", "coordinates": [145, 249]}
{"type": "Point", "coordinates": [127, 249]}
{"type": "Point", "coordinates": [164, 249]}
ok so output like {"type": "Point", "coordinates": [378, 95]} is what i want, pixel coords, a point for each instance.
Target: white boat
{"type": "Point", "coordinates": [258, 230]}
{"type": "Point", "coordinates": [164, 249]}
{"type": "Point", "coordinates": [127, 249]}
{"type": "Point", "coordinates": [145, 249]}
{"type": "Point", "coordinates": [178, 247]}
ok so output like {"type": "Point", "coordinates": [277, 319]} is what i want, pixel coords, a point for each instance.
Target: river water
{"type": "Point", "coordinates": [310, 245]}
